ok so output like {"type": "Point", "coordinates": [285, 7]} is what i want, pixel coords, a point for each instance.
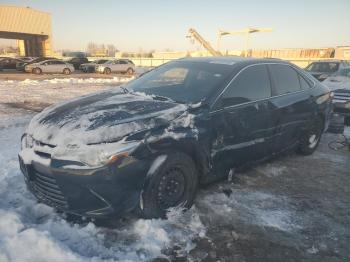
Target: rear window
{"type": "Point", "coordinates": [285, 79]}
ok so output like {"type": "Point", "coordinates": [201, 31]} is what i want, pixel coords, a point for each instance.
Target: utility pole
{"type": "Point", "coordinates": [244, 32]}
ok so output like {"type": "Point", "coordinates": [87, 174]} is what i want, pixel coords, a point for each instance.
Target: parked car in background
{"type": "Point", "coordinates": [20, 65]}
{"type": "Point", "coordinates": [9, 63]}
{"type": "Point", "coordinates": [90, 67]}
{"type": "Point", "coordinates": [77, 61]}
{"type": "Point", "coordinates": [50, 66]}
{"type": "Point", "coordinates": [147, 145]}
{"type": "Point", "coordinates": [116, 66]}
{"type": "Point", "coordinates": [26, 58]}
{"type": "Point", "coordinates": [323, 69]}
{"type": "Point", "coordinates": [339, 83]}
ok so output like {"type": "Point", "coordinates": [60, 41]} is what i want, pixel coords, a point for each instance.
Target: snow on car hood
{"type": "Point", "coordinates": [101, 117]}
{"type": "Point", "coordinates": [337, 82]}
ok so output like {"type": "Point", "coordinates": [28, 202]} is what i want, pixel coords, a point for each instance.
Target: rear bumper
{"type": "Point", "coordinates": [99, 192]}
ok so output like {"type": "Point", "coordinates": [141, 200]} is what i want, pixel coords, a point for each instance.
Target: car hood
{"type": "Point", "coordinates": [102, 117]}
{"type": "Point", "coordinates": [337, 82]}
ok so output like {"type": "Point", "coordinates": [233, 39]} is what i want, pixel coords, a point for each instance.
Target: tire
{"type": "Point", "coordinates": [130, 71]}
{"type": "Point", "coordinates": [37, 71]}
{"type": "Point", "coordinates": [66, 71]}
{"type": "Point", "coordinates": [311, 137]}
{"type": "Point", "coordinates": [173, 184]}
{"type": "Point", "coordinates": [107, 71]}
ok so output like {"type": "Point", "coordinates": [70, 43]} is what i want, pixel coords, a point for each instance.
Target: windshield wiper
{"type": "Point", "coordinates": [162, 98]}
{"type": "Point", "coordinates": [125, 90]}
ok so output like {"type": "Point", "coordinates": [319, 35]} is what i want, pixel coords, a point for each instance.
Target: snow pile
{"type": "Point", "coordinates": [30, 231]}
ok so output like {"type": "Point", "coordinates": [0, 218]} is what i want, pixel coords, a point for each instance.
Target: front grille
{"type": "Point", "coordinates": [341, 96]}
{"type": "Point", "coordinates": [47, 190]}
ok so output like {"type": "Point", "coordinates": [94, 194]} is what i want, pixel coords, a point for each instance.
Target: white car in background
{"type": "Point", "coordinates": [339, 80]}
{"type": "Point", "coordinates": [339, 83]}
{"type": "Point", "coordinates": [50, 66]}
{"type": "Point", "coordinates": [116, 66]}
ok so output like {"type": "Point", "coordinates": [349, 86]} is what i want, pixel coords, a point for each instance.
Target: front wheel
{"type": "Point", "coordinates": [311, 138]}
{"type": "Point", "coordinates": [172, 183]}
{"type": "Point", "coordinates": [107, 71]}
{"type": "Point", "coordinates": [37, 71]}
{"type": "Point", "coordinates": [66, 71]}
{"type": "Point", "coordinates": [130, 71]}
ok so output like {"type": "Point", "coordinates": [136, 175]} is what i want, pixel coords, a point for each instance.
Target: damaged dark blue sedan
{"type": "Point", "coordinates": [146, 146]}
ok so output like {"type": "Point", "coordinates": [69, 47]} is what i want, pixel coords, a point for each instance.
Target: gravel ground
{"type": "Point", "coordinates": [293, 208]}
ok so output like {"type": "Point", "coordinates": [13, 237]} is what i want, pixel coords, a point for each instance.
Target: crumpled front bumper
{"type": "Point", "coordinates": [101, 192]}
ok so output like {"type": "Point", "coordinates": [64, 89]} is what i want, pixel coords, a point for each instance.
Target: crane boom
{"type": "Point", "coordinates": [192, 33]}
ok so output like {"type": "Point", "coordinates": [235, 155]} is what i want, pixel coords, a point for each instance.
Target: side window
{"type": "Point", "coordinates": [285, 78]}
{"type": "Point", "coordinates": [122, 62]}
{"type": "Point", "coordinates": [303, 83]}
{"type": "Point", "coordinates": [251, 84]}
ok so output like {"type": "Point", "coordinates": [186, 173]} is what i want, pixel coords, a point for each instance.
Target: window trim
{"type": "Point", "coordinates": [233, 80]}
{"type": "Point", "coordinates": [298, 71]}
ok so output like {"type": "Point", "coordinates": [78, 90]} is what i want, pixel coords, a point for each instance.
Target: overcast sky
{"type": "Point", "coordinates": [163, 24]}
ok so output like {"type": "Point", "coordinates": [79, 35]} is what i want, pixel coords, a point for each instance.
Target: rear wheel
{"type": "Point", "coordinates": [107, 71]}
{"type": "Point", "coordinates": [173, 184]}
{"type": "Point", "coordinates": [37, 71]}
{"type": "Point", "coordinates": [311, 138]}
{"type": "Point", "coordinates": [66, 71]}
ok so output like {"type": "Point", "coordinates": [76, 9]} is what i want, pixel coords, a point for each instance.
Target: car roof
{"type": "Point", "coordinates": [51, 60]}
{"type": "Point", "coordinates": [233, 60]}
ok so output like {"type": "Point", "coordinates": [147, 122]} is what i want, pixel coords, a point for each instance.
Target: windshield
{"type": "Point", "coordinates": [323, 67]}
{"type": "Point", "coordinates": [344, 72]}
{"type": "Point", "coordinates": [184, 82]}
{"type": "Point", "coordinates": [101, 61]}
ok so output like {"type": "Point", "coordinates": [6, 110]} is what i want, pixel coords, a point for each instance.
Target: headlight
{"type": "Point", "coordinates": [97, 155]}
{"type": "Point", "coordinates": [27, 141]}
{"type": "Point", "coordinates": [24, 141]}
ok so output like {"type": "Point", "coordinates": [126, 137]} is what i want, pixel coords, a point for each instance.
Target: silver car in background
{"type": "Point", "coordinates": [116, 66]}
{"type": "Point", "coordinates": [50, 66]}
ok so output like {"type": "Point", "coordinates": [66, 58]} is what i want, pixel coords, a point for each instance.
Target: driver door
{"type": "Point", "coordinates": [243, 130]}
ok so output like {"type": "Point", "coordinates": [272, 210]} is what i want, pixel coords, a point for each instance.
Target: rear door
{"type": "Point", "coordinates": [47, 67]}
{"type": "Point", "coordinates": [292, 104]}
{"type": "Point", "coordinates": [58, 66]}
{"type": "Point", "coordinates": [241, 119]}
